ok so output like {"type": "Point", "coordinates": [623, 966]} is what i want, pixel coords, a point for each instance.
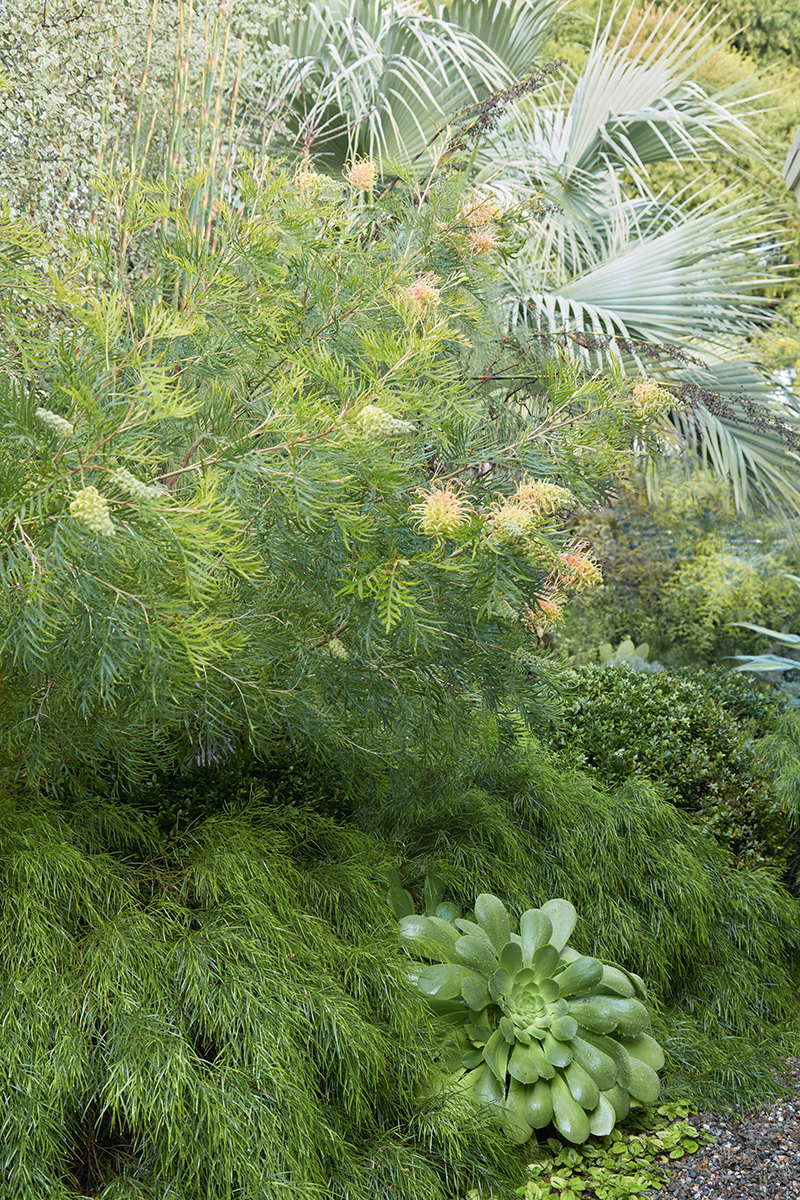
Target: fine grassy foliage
{"type": "Point", "coordinates": [226, 1011]}
{"type": "Point", "coordinates": [226, 1015]}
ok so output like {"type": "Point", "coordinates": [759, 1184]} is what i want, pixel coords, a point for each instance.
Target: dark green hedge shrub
{"type": "Point", "coordinates": [695, 733]}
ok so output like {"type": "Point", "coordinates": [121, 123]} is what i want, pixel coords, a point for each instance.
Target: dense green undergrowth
{"type": "Point", "coordinates": [711, 739]}
{"type": "Point", "coordinates": [222, 1010]}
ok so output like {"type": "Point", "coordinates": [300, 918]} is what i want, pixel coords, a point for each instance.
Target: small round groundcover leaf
{"type": "Point", "coordinates": [548, 1034]}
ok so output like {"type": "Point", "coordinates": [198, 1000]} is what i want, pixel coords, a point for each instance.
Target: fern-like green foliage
{"type": "Point", "coordinates": [226, 1016]}
{"type": "Point", "coordinates": [218, 464]}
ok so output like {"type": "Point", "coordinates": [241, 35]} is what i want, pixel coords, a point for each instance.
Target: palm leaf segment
{"type": "Point", "coordinates": [375, 79]}
{"type": "Point", "coordinates": [683, 271]}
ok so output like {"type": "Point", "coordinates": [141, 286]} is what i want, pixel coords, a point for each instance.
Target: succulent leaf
{"type": "Point", "coordinates": [632, 1016]}
{"type": "Point", "coordinates": [616, 981]}
{"type": "Point", "coordinates": [495, 1053]}
{"type": "Point", "coordinates": [545, 961]}
{"type": "Point", "coordinates": [511, 958]}
{"type": "Point", "coordinates": [539, 1104]}
{"type": "Point", "coordinates": [475, 992]}
{"type": "Point", "coordinates": [535, 929]}
{"type": "Point", "coordinates": [601, 1066]}
{"type": "Point", "coordinates": [564, 1028]}
{"type": "Point", "coordinates": [563, 918]}
{"type": "Point", "coordinates": [619, 1099]}
{"type": "Point", "coordinates": [475, 952]}
{"type": "Point", "coordinates": [401, 902]}
{"type": "Point", "coordinates": [646, 1049]}
{"type": "Point", "coordinates": [558, 1053]}
{"type": "Point", "coordinates": [507, 1030]}
{"type": "Point", "coordinates": [569, 1118]}
{"type": "Point", "coordinates": [580, 976]}
{"type": "Point", "coordinates": [516, 1113]}
{"type": "Point", "coordinates": [603, 1118]}
{"type": "Point", "coordinates": [434, 890]}
{"type": "Point", "coordinates": [528, 1063]}
{"type": "Point", "coordinates": [539, 1032]}
{"type": "Point", "coordinates": [644, 1084]}
{"type": "Point", "coordinates": [584, 1089]}
{"type": "Point", "coordinates": [595, 1015]}
{"type": "Point", "coordinates": [492, 916]}
{"type": "Point", "coordinates": [434, 938]}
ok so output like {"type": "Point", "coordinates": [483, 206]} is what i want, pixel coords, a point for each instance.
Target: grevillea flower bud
{"type": "Point", "coordinates": [421, 298]}
{"type": "Point", "coordinates": [306, 178]}
{"type": "Point", "coordinates": [362, 174]}
{"type": "Point", "coordinates": [481, 241]}
{"type": "Point", "coordinates": [650, 400]}
{"type": "Point", "coordinates": [510, 522]}
{"type": "Point", "coordinates": [337, 649]}
{"type": "Point", "coordinates": [91, 509]}
{"type": "Point", "coordinates": [134, 487]}
{"type": "Point", "coordinates": [441, 513]}
{"type": "Point", "coordinates": [377, 422]}
{"type": "Point", "coordinates": [579, 572]}
{"type": "Point", "coordinates": [58, 425]}
{"type": "Point", "coordinates": [480, 211]}
{"type": "Point", "coordinates": [542, 496]}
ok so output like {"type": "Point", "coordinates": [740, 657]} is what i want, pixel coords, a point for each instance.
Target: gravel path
{"type": "Point", "coordinates": [753, 1155]}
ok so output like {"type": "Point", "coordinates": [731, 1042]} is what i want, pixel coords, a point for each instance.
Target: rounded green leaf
{"type": "Point", "coordinates": [596, 1015]}
{"type": "Point", "coordinates": [557, 1053]}
{"type": "Point", "coordinates": [545, 961]}
{"type": "Point", "coordinates": [515, 1114]}
{"type": "Point", "coordinates": [582, 975]}
{"type": "Point", "coordinates": [535, 930]}
{"type": "Point", "coordinates": [476, 953]}
{"type": "Point", "coordinates": [583, 1087]}
{"type": "Point", "coordinates": [646, 1049]}
{"type": "Point", "coordinates": [491, 915]}
{"type": "Point", "coordinates": [432, 937]}
{"type": "Point", "coordinates": [563, 919]}
{"type": "Point", "coordinates": [564, 1029]}
{"type": "Point", "coordinates": [645, 1084]}
{"type": "Point", "coordinates": [568, 1117]}
{"type": "Point", "coordinates": [495, 1053]}
{"type": "Point", "coordinates": [475, 992]}
{"type": "Point", "coordinates": [539, 1104]}
{"type": "Point", "coordinates": [602, 1118]}
{"type": "Point", "coordinates": [511, 958]}
{"type": "Point", "coordinates": [400, 901]}
{"type": "Point", "coordinates": [528, 1063]}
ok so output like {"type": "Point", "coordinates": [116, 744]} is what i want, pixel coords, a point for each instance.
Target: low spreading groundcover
{"type": "Point", "coordinates": [224, 1011]}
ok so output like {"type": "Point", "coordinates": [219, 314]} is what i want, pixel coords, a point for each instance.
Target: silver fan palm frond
{"type": "Point", "coordinates": [379, 79]}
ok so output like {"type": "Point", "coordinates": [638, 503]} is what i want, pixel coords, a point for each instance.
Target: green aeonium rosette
{"type": "Point", "coordinates": [537, 1031]}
